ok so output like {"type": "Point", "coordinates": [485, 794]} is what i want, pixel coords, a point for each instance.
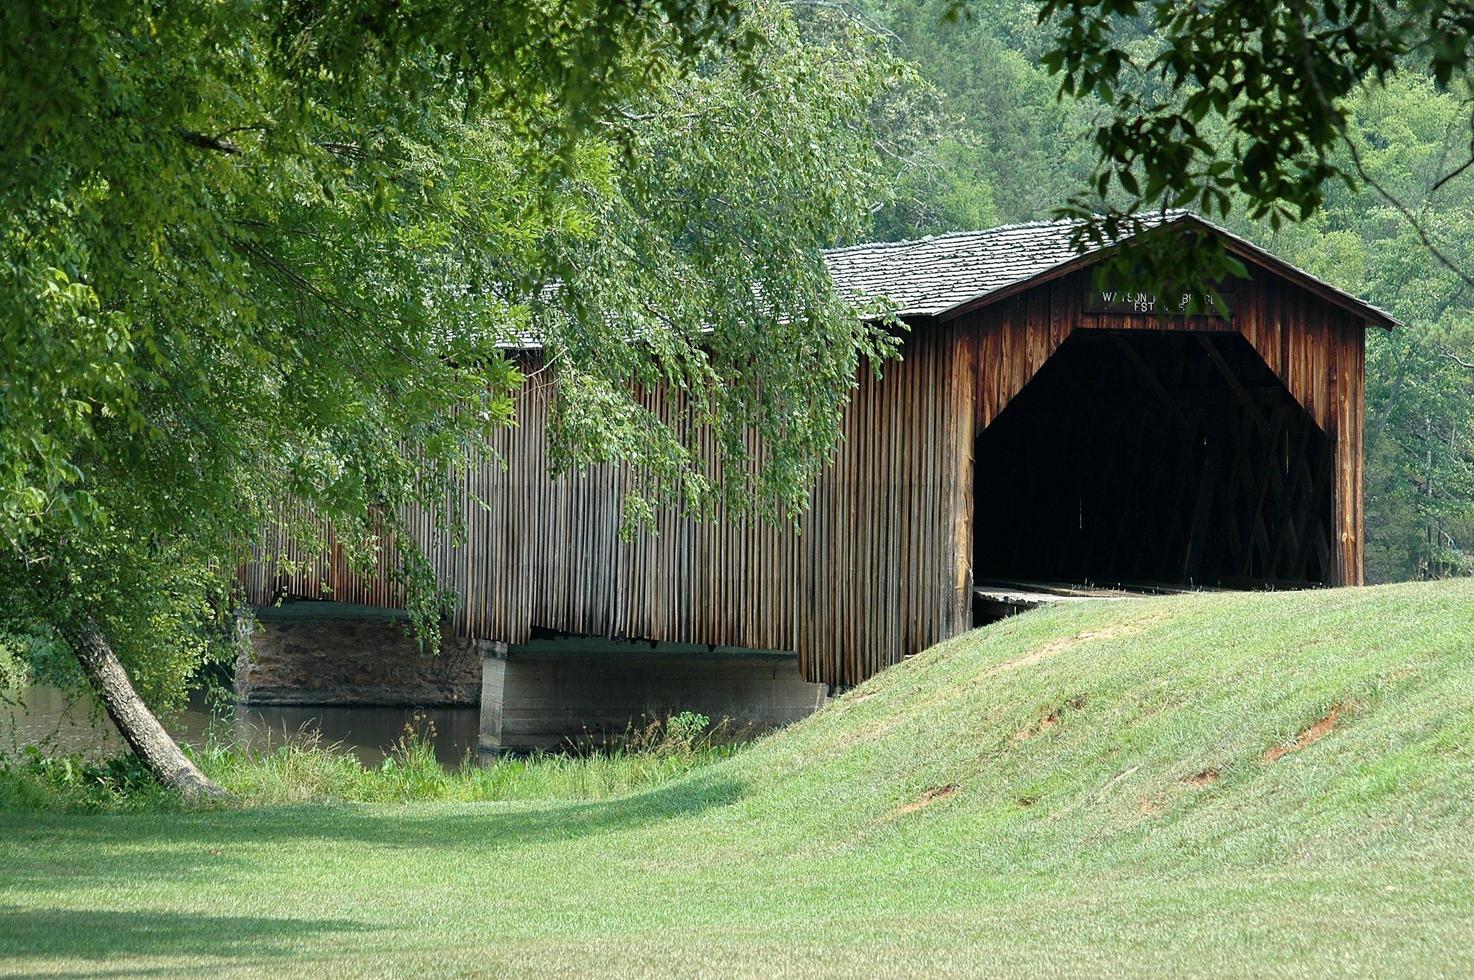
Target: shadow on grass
{"type": "Point", "coordinates": [99, 935]}
{"type": "Point", "coordinates": [81, 851]}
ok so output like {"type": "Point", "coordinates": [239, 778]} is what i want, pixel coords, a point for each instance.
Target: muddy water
{"type": "Point", "coordinates": [40, 715]}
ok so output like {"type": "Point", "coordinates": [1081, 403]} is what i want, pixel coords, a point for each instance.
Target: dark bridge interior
{"type": "Point", "coordinates": [1154, 458]}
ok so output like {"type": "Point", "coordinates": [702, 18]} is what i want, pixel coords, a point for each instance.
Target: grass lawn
{"type": "Point", "coordinates": [1218, 783]}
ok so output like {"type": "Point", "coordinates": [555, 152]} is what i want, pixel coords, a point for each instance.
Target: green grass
{"type": "Point", "coordinates": [302, 769]}
{"type": "Point", "coordinates": [1019, 800]}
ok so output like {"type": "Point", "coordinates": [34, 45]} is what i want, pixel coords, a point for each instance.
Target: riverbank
{"type": "Point", "coordinates": [303, 768]}
{"type": "Point", "coordinates": [1216, 784]}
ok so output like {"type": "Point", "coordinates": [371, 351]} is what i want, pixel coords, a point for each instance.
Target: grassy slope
{"type": "Point", "coordinates": [1062, 828]}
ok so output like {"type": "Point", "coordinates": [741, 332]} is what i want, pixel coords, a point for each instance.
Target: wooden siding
{"type": "Point", "coordinates": [876, 570]}
{"type": "Point", "coordinates": [880, 567]}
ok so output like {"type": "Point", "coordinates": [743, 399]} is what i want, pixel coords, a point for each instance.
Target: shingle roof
{"type": "Point", "coordinates": [929, 276]}
{"type": "Point", "coordinates": [938, 275]}
{"type": "Point", "coordinates": [945, 274]}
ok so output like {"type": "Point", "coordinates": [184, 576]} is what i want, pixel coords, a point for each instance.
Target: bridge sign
{"type": "Point", "coordinates": [1131, 300]}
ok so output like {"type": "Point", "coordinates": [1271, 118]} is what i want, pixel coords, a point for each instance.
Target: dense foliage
{"type": "Point", "coordinates": [254, 252]}
{"type": "Point", "coordinates": [1399, 234]}
{"type": "Point", "coordinates": [269, 252]}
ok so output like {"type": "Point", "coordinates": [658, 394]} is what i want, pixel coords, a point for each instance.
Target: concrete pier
{"type": "Point", "coordinates": [543, 693]}
{"type": "Point", "coordinates": [539, 694]}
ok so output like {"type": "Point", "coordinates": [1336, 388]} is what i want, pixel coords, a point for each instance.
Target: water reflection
{"type": "Point", "coordinates": [46, 716]}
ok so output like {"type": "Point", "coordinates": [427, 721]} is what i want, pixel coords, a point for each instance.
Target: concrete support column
{"type": "Point", "coordinates": [540, 695]}
{"type": "Point", "coordinates": [493, 692]}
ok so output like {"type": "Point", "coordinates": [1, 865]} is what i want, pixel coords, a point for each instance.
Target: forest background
{"type": "Point", "coordinates": [1012, 151]}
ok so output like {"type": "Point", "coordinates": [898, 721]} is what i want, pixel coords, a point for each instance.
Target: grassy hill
{"type": "Point", "coordinates": [1216, 783]}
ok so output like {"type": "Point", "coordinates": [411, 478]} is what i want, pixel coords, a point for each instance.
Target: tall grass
{"type": "Point", "coordinates": [303, 769]}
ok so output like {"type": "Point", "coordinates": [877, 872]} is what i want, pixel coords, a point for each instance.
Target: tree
{"type": "Point", "coordinates": [1002, 148]}
{"type": "Point", "coordinates": [267, 254]}
{"type": "Point", "coordinates": [1203, 111]}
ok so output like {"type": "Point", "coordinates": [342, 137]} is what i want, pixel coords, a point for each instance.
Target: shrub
{"type": "Point", "coordinates": [33, 780]}
{"type": "Point", "coordinates": [682, 731]}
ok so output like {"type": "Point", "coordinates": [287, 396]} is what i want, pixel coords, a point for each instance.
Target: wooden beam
{"type": "Point", "coordinates": [1149, 376]}
{"type": "Point", "coordinates": [1234, 384]}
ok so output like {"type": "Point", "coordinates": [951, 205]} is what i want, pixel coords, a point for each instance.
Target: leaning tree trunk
{"type": "Point", "coordinates": [138, 726]}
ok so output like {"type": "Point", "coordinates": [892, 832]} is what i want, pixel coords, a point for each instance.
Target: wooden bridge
{"type": "Point", "coordinates": [1033, 431]}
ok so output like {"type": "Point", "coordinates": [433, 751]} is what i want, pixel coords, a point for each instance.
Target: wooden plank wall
{"type": "Point", "coordinates": [1315, 349]}
{"type": "Point", "coordinates": [878, 569]}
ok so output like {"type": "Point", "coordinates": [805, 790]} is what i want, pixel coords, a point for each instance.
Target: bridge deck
{"type": "Point", "coordinates": [996, 599]}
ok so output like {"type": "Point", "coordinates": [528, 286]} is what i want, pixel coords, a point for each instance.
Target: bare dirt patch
{"type": "Point", "coordinates": [1308, 736]}
{"type": "Point", "coordinates": [1205, 778]}
{"type": "Point", "coordinates": [1151, 806]}
{"type": "Point", "coordinates": [1038, 728]}
{"type": "Point", "coordinates": [855, 697]}
{"type": "Point", "coordinates": [1050, 720]}
{"type": "Point", "coordinates": [934, 795]}
{"type": "Point", "coordinates": [849, 737]}
{"type": "Point", "coordinates": [1055, 647]}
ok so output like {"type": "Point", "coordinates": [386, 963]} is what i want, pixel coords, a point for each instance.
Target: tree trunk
{"type": "Point", "coordinates": [138, 726]}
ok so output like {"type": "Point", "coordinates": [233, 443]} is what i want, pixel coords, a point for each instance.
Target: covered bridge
{"type": "Point", "coordinates": [1036, 429]}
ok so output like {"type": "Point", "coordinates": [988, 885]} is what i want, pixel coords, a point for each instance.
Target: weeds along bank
{"type": "Point", "coordinates": [1198, 716]}
{"type": "Point", "coordinates": [305, 770]}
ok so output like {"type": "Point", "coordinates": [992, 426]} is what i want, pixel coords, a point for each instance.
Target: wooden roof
{"type": "Point", "coordinates": [946, 275]}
